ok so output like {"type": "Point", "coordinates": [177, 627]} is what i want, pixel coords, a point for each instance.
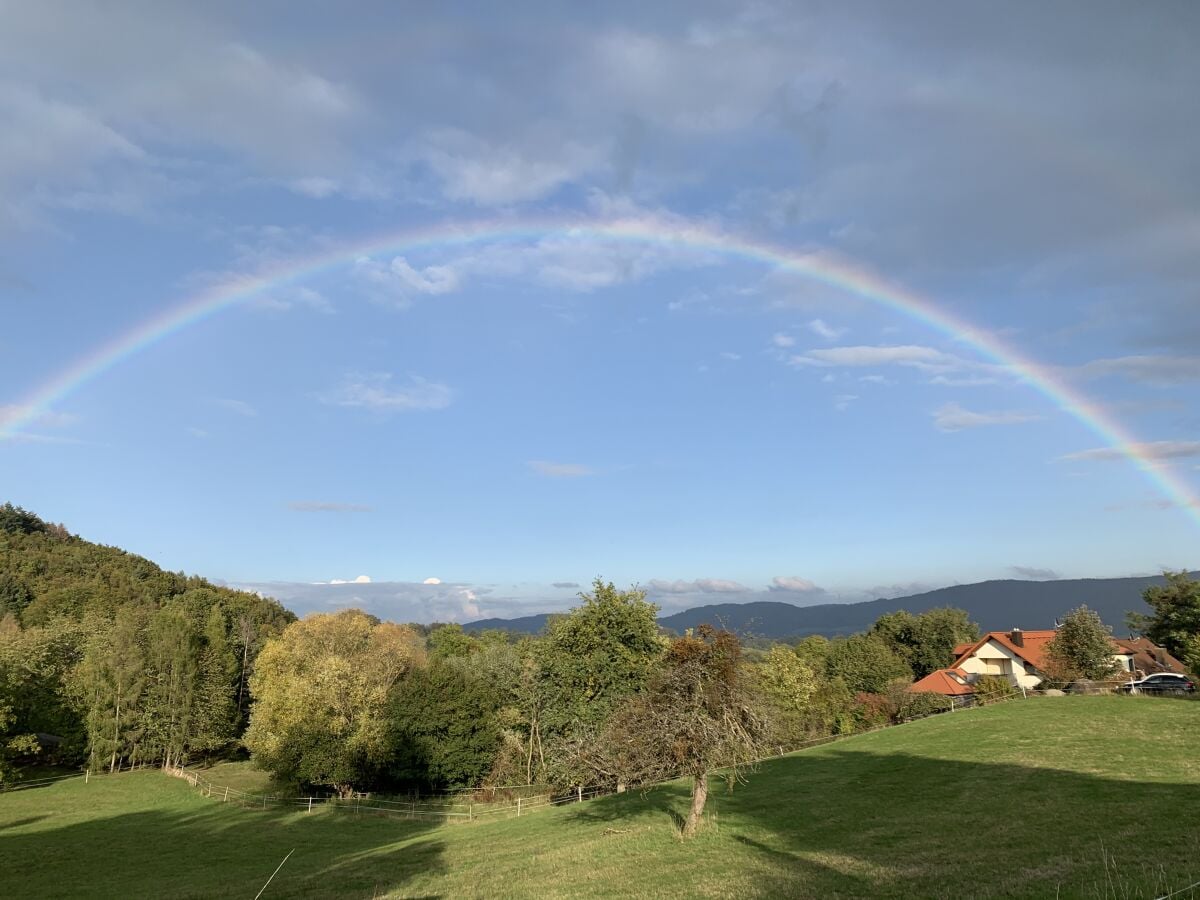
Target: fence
{"type": "Point", "coordinates": [468, 806]}
{"type": "Point", "coordinates": [86, 775]}
{"type": "Point", "coordinates": [447, 809]}
{"type": "Point", "coordinates": [451, 808]}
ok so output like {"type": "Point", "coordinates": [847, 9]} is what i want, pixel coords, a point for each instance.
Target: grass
{"type": "Point", "coordinates": [1057, 797]}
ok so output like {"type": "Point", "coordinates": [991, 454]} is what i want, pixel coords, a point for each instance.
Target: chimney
{"type": "Point", "coordinates": [1017, 636]}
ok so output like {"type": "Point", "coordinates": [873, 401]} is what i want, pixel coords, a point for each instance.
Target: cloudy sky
{"type": "Point", "coordinates": [473, 427]}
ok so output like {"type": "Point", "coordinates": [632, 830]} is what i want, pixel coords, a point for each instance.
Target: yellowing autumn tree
{"type": "Point", "coordinates": [320, 697]}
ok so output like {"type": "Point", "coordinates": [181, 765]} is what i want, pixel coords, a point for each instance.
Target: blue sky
{"type": "Point", "coordinates": [507, 418]}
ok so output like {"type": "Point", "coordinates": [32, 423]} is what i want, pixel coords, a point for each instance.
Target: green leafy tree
{"type": "Point", "coordinates": [15, 594]}
{"type": "Point", "coordinates": [321, 698]}
{"type": "Point", "coordinates": [813, 650]}
{"type": "Point", "coordinates": [1175, 617]}
{"type": "Point", "coordinates": [786, 685]}
{"type": "Point", "coordinates": [446, 724]}
{"type": "Point", "coordinates": [447, 641]}
{"type": "Point", "coordinates": [865, 663]}
{"type": "Point", "coordinates": [110, 683]}
{"type": "Point", "coordinates": [216, 714]}
{"type": "Point", "coordinates": [593, 657]}
{"type": "Point", "coordinates": [695, 716]}
{"type": "Point", "coordinates": [926, 641]}
{"type": "Point", "coordinates": [1082, 647]}
{"type": "Point", "coordinates": [172, 658]}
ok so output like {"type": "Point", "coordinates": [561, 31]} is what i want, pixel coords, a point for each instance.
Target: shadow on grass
{"type": "Point", "coordinates": [856, 824]}
{"type": "Point", "coordinates": [217, 852]}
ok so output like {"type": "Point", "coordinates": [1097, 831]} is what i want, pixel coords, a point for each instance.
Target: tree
{"type": "Point", "coordinates": [1175, 619]}
{"type": "Point", "coordinates": [216, 712]}
{"type": "Point", "coordinates": [450, 640]}
{"type": "Point", "coordinates": [926, 641]}
{"type": "Point", "coordinates": [787, 686]}
{"type": "Point", "coordinates": [172, 665]}
{"type": "Point", "coordinates": [110, 683]}
{"type": "Point", "coordinates": [1082, 647]}
{"type": "Point", "coordinates": [599, 653]}
{"type": "Point", "coordinates": [320, 697]}
{"type": "Point", "coordinates": [694, 717]}
{"type": "Point", "coordinates": [446, 724]}
{"type": "Point", "coordinates": [865, 663]}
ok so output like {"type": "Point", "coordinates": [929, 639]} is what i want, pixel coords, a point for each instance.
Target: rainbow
{"type": "Point", "coordinates": [826, 269]}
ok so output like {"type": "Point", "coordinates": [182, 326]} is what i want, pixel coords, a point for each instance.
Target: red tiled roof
{"type": "Point", "coordinates": [943, 681]}
{"type": "Point", "coordinates": [1032, 648]}
{"type": "Point", "coordinates": [1146, 656]}
{"type": "Point", "coordinates": [1149, 657]}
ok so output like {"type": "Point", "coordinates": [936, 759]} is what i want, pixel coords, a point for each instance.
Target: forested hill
{"type": "Point", "coordinates": [994, 605]}
{"type": "Point", "coordinates": [115, 658]}
{"type": "Point", "coordinates": [47, 573]}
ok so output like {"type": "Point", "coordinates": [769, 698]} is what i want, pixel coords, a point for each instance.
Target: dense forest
{"type": "Point", "coordinates": [106, 660]}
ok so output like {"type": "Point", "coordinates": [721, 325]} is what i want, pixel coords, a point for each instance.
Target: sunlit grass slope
{"type": "Point", "coordinates": [1067, 797]}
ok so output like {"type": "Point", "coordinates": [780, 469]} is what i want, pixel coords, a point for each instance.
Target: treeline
{"type": "Point", "coordinates": [352, 703]}
{"type": "Point", "coordinates": [108, 660]}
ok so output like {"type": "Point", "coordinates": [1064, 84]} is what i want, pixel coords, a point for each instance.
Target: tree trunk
{"type": "Point", "coordinates": [699, 796]}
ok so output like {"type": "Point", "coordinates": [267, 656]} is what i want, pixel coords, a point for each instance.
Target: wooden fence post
{"type": "Point", "coordinates": [310, 804]}
{"type": "Point", "coordinates": [86, 775]}
{"type": "Point", "coordinates": [518, 807]}
{"type": "Point", "coordinates": [226, 800]}
{"type": "Point", "coordinates": [579, 792]}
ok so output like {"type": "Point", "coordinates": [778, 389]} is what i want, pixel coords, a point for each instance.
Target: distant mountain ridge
{"type": "Point", "coordinates": [994, 605]}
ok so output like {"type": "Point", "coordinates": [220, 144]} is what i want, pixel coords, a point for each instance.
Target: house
{"type": "Point", "coordinates": [948, 682]}
{"type": "Point", "coordinates": [1020, 656]}
{"type": "Point", "coordinates": [1139, 656]}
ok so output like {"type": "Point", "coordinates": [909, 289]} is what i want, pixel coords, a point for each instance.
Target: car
{"type": "Point", "coordinates": [1163, 683]}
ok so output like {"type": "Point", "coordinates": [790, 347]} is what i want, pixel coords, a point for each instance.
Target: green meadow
{"type": "Point", "coordinates": [1056, 797]}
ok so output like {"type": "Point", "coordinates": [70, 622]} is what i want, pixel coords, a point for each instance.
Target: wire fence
{"type": "Point", "coordinates": [86, 774]}
{"type": "Point", "coordinates": [491, 803]}
{"type": "Point", "coordinates": [482, 804]}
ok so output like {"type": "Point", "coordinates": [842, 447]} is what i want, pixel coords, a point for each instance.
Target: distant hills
{"type": "Point", "coordinates": [995, 605]}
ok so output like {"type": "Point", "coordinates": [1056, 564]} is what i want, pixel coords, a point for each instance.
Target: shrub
{"type": "Point", "coordinates": [993, 688]}
{"type": "Point", "coordinates": [924, 703]}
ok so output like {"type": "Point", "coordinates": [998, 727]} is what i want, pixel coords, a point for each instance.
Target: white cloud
{"type": "Point", "coordinates": [1155, 450]}
{"type": "Point", "coordinates": [326, 506]}
{"type": "Point", "coordinates": [730, 356]}
{"type": "Point", "coordinates": [842, 402]}
{"type": "Point", "coordinates": [375, 391]}
{"type": "Point", "coordinates": [496, 173]}
{"type": "Point", "coordinates": [779, 339]}
{"type": "Point", "coordinates": [361, 579]}
{"type": "Point", "coordinates": [241, 407]}
{"type": "Point", "coordinates": [1033, 573]}
{"type": "Point", "coordinates": [1156, 370]}
{"type": "Point", "coordinates": [963, 380]}
{"type": "Point", "coordinates": [399, 280]}
{"type": "Point", "coordinates": [199, 433]}
{"type": "Point", "coordinates": [560, 470]}
{"type": "Point", "coordinates": [12, 412]}
{"type": "Point", "coordinates": [953, 417]}
{"type": "Point", "coordinates": [825, 331]}
{"type": "Point", "coordinates": [699, 586]}
{"type": "Point", "coordinates": [793, 583]}
{"type": "Point", "coordinates": [432, 581]}
{"type": "Point", "coordinates": [926, 359]}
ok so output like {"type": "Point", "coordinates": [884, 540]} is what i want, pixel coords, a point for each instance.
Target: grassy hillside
{"type": "Point", "coordinates": [1074, 797]}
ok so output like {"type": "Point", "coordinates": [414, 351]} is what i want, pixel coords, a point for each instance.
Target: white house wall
{"type": "Point", "coordinates": [984, 662]}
